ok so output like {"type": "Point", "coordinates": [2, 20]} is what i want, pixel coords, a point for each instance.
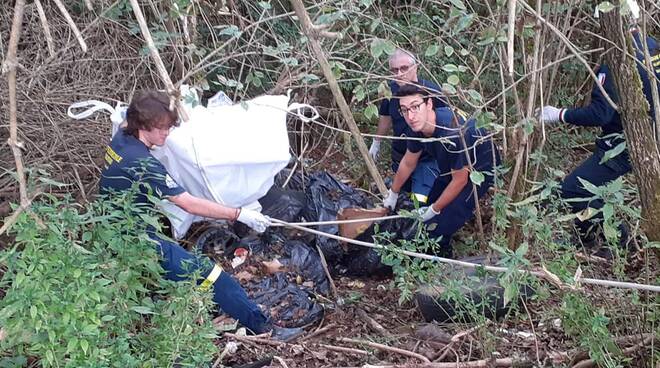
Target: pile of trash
{"type": "Point", "coordinates": [282, 269]}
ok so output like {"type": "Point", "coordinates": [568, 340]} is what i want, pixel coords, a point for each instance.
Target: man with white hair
{"type": "Point", "coordinates": [403, 68]}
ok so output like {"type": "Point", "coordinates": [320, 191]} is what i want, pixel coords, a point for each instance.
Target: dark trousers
{"type": "Point", "coordinates": [597, 174]}
{"type": "Point", "coordinates": [456, 214]}
{"type": "Point", "coordinates": [228, 294]}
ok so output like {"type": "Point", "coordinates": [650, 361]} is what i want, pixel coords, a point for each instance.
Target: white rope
{"type": "Point", "coordinates": [336, 222]}
{"type": "Point", "coordinates": [608, 283]}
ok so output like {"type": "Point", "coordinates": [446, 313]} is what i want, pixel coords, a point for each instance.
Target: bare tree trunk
{"type": "Point", "coordinates": [637, 126]}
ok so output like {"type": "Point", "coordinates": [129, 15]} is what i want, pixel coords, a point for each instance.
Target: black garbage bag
{"type": "Point", "coordinates": [285, 205]}
{"type": "Point", "coordinates": [366, 262]}
{"type": "Point", "coordinates": [362, 261]}
{"type": "Point", "coordinates": [295, 180]}
{"type": "Point", "coordinates": [288, 304]}
{"type": "Point", "coordinates": [325, 197]}
{"type": "Point", "coordinates": [306, 262]}
{"type": "Point", "coordinates": [478, 293]}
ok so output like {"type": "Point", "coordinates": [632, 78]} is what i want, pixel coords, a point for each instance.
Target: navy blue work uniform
{"type": "Point", "coordinates": [127, 161]}
{"type": "Point", "coordinates": [449, 155]}
{"type": "Point", "coordinates": [422, 179]}
{"type": "Point", "coordinates": [600, 113]}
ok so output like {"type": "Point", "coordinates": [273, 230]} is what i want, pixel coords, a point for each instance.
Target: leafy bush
{"type": "Point", "coordinates": [83, 287]}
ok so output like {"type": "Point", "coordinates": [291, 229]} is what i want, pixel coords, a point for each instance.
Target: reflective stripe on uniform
{"type": "Point", "coordinates": [210, 279]}
{"type": "Point", "coordinates": [420, 197]}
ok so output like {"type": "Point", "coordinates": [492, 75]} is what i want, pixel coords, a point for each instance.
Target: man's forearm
{"type": "Point", "coordinates": [205, 208]}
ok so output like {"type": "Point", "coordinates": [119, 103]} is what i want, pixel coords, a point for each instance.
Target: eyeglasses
{"type": "Point", "coordinates": [402, 69]}
{"type": "Point", "coordinates": [413, 108]}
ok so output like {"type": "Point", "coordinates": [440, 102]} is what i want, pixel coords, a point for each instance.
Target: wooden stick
{"type": "Point", "coordinates": [153, 51]}
{"type": "Point", "coordinates": [281, 361]}
{"type": "Point", "coordinates": [504, 362]}
{"type": "Point", "coordinates": [257, 340]}
{"type": "Point", "coordinates": [72, 24]}
{"type": "Point", "coordinates": [333, 288]}
{"type": "Point", "coordinates": [88, 3]}
{"type": "Point", "coordinates": [46, 27]}
{"type": "Point", "coordinates": [377, 327]}
{"type": "Point", "coordinates": [342, 349]}
{"type": "Point", "coordinates": [312, 32]}
{"type": "Point", "coordinates": [9, 66]}
{"type": "Point", "coordinates": [386, 348]}
{"type": "Point", "coordinates": [320, 331]}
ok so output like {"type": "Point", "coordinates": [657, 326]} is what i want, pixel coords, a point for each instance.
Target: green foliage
{"type": "Point", "coordinates": [589, 326]}
{"type": "Point", "coordinates": [87, 290]}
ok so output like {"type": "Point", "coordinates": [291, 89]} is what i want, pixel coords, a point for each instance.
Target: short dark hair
{"type": "Point", "coordinates": [413, 89]}
{"type": "Point", "coordinates": [148, 110]}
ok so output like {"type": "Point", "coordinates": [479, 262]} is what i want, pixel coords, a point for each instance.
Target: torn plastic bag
{"type": "Point", "coordinates": [285, 205]}
{"type": "Point", "coordinates": [478, 292]}
{"type": "Point", "coordinates": [366, 262]}
{"type": "Point", "coordinates": [289, 305]}
{"type": "Point", "coordinates": [325, 197]}
{"type": "Point", "coordinates": [306, 262]}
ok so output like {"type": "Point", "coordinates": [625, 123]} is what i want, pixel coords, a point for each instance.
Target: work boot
{"type": "Point", "coordinates": [285, 334]}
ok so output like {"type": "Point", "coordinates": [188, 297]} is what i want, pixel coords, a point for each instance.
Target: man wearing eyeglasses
{"type": "Point", "coordinates": [459, 147]}
{"type": "Point", "coordinates": [403, 67]}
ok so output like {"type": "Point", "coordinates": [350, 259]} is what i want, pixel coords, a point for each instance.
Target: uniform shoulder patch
{"type": "Point", "coordinates": [601, 78]}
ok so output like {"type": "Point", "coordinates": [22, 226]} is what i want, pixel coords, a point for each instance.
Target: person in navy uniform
{"type": "Point", "coordinates": [600, 113]}
{"type": "Point", "coordinates": [403, 67]}
{"type": "Point", "coordinates": [128, 162]}
{"type": "Point", "coordinates": [460, 148]}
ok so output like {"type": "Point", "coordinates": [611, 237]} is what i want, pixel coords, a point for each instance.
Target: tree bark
{"type": "Point", "coordinates": [637, 125]}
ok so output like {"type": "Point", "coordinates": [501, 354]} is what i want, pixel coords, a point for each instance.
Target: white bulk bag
{"type": "Point", "coordinates": [228, 154]}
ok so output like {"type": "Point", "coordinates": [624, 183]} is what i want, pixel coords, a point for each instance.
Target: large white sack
{"type": "Point", "coordinates": [227, 154]}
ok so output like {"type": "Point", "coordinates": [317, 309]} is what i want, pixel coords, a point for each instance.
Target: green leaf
{"type": "Point", "coordinates": [142, 310]}
{"type": "Point", "coordinates": [522, 249]}
{"type": "Point", "coordinates": [453, 80]}
{"type": "Point", "coordinates": [450, 68]}
{"type": "Point", "coordinates": [432, 50]}
{"type": "Point", "coordinates": [188, 330]}
{"type": "Point", "coordinates": [84, 345]}
{"type": "Point", "coordinates": [384, 90]}
{"type": "Point", "coordinates": [359, 93]}
{"type": "Point", "coordinates": [49, 357]}
{"type": "Point", "coordinates": [477, 177]}
{"type": "Point", "coordinates": [608, 211]}
{"type": "Point", "coordinates": [448, 89]}
{"type": "Point", "coordinates": [380, 46]}
{"type": "Point", "coordinates": [474, 95]}
{"type": "Point", "coordinates": [371, 112]}
{"type": "Point", "coordinates": [590, 187]}
{"type": "Point", "coordinates": [33, 312]}
{"type": "Point", "coordinates": [605, 7]}
{"type": "Point", "coordinates": [613, 152]}
{"type": "Point", "coordinates": [108, 318]}
{"type": "Point", "coordinates": [71, 345]}
{"type": "Point", "coordinates": [449, 51]}
{"type": "Point", "coordinates": [232, 31]}
{"type": "Point", "coordinates": [463, 23]}
{"type": "Point", "coordinates": [265, 5]}
{"type": "Point", "coordinates": [458, 3]}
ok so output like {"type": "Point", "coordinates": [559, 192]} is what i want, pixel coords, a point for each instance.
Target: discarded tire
{"type": "Point", "coordinates": [473, 294]}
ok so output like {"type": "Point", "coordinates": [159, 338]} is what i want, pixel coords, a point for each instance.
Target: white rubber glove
{"type": "Point", "coordinates": [427, 213]}
{"type": "Point", "coordinates": [254, 220]}
{"type": "Point", "coordinates": [549, 114]}
{"type": "Point", "coordinates": [390, 201]}
{"type": "Point", "coordinates": [374, 149]}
